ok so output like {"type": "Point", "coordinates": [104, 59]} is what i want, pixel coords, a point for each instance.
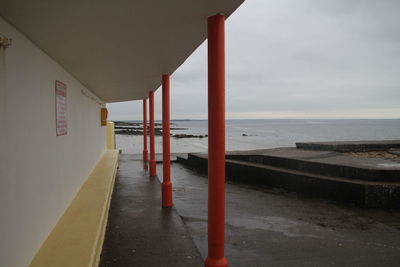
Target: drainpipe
{"type": "Point", "coordinates": [216, 141]}
{"type": "Point", "coordinates": [166, 186]}
{"type": "Point", "coordinates": [4, 43]}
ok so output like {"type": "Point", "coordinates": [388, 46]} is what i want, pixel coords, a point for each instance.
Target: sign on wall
{"type": "Point", "coordinates": [61, 108]}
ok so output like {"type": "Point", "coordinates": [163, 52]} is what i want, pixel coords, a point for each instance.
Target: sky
{"type": "Point", "coordinates": [297, 59]}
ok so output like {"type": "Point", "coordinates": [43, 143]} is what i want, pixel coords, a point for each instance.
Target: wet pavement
{"type": "Point", "coordinates": [264, 226]}
{"type": "Point", "coordinates": [139, 232]}
{"type": "Point", "coordinates": [271, 227]}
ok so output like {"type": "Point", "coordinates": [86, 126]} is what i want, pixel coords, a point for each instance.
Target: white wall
{"type": "Point", "coordinates": [42, 172]}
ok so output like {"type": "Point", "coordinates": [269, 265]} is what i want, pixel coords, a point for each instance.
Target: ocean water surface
{"type": "Point", "coordinates": [258, 134]}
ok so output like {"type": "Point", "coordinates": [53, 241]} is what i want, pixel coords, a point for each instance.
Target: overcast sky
{"type": "Point", "coordinates": [296, 59]}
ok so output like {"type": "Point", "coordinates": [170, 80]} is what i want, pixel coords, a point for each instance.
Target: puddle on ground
{"type": "Point", "coordinates": [290, 228]}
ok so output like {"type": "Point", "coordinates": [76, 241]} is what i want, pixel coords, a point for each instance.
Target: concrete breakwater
{"type": "Point", "coordinates": [364, 181]}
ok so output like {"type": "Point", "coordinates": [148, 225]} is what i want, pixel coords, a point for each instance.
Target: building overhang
{"type": "Point", "coordinates": [117, 49]}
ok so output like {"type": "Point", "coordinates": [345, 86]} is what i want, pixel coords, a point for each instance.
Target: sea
{"type": "Point", "coordinates": [268, 133]}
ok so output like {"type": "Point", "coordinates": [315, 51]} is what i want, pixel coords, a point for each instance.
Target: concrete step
{"type": "Point", "coordinates": [351, 146]}
{"type": "Point", "coordinates": [362, 193]}
{"type": "Point", "coordinates": [367, 173]}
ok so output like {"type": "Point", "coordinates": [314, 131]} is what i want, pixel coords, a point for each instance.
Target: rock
{"type": "Point", "coordinates": [188, 136]}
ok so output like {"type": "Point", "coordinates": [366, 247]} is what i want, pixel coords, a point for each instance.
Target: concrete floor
{"type": "Point", "coordinates": [139, 232]}
{"type": "Point", "coordinates": [264, 226]}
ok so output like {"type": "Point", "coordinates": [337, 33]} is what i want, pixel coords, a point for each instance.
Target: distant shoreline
{"type": "Point", "coordinates": [136, 128]}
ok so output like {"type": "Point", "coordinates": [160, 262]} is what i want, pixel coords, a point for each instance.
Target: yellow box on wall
{"type": "Point", "coordinates": [104, 115]}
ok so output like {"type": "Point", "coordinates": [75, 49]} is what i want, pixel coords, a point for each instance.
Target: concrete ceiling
{"type": "Point", "coordinates": [118, 49]}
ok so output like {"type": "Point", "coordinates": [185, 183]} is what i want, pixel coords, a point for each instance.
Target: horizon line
{"type": "Point", "coordinates": [272, 119]}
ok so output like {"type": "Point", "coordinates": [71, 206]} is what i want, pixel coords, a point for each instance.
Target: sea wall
{"type": "Point", "coordinates": [378, 189]}
{"type": "Point", "coordinates": [40, 172]}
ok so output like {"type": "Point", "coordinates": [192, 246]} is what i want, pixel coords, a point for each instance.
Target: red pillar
{"type": "Point", "coordinates": [145, 152]}
{"type": "Point", "coordinates": [166, 187]}
{"type": "Point", "coordinates": [152, 146]}
{"type": "Point", "coordinates": [216, 141]}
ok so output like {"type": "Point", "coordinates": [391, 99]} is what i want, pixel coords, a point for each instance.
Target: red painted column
{"type": "Point", "coordinates": [145, 152]}
{"type": "Point", "coordinates": [152, 145]}
{"type": "Point", "coordinates": [216, 141]}
{"type": "Point", "coordinates": [166, 186]}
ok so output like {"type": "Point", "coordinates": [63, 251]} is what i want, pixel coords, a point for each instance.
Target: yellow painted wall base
{"type": "Point", "coordinates": [110, 135]}
{"type": "Point", "coordinates": [77, 239]}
